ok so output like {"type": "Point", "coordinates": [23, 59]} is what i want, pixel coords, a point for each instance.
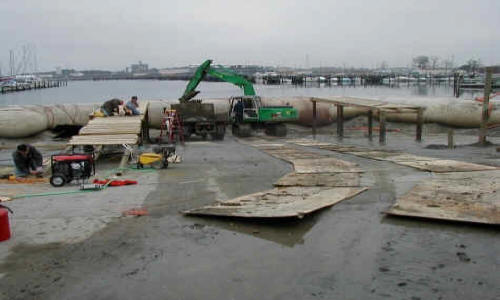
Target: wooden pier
{"type": "Point", "coordinates": [371, 106]}
{"type": "Point", "coordinates": [33, 86]}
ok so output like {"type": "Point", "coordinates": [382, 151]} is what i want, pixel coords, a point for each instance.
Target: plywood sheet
{"type": "Point", "coordinates": [278, 202]}
{"type": "Point", "coordinates": [467, 197]}
{"type": "Point", "coordinates": [322, 179]}
{"type": "Point", "coordinates": [306, 142]}
{"type": "Point", "coordinates": [442, 166]}
{"type": "Point", "coordinates": [325, 165]}
{"type": "Point", "coordinates": [419, 162]}
{"type": "Point", "coordinates": [344, 148]}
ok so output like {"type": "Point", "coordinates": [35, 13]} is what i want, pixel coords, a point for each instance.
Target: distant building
{"type": "Point", "coordinates": [175, 71]}
{"type": "Point", "coordinates": [139, 68]}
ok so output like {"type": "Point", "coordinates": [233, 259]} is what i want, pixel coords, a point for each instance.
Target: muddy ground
{"type": "Point", "coordinates": [349, 251]}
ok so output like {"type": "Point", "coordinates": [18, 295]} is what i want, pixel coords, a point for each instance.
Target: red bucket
{"type": "Point", "coordinates": [4, 225]}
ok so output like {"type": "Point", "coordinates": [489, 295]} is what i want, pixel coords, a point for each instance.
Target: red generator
{"type": "Point", "coordinates": [69, 167]}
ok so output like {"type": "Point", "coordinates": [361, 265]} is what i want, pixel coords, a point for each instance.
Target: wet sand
{"type": "Point", "coordinates": [349, 251]}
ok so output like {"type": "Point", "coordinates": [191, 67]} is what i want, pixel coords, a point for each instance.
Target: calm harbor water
{"type": "Point", "coordinates": [99, 91]}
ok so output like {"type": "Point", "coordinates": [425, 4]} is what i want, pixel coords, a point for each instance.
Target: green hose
{"type": "Point", "coordinates": [49, 194]}
{"type": "Point", "coordinates": [82, 191]}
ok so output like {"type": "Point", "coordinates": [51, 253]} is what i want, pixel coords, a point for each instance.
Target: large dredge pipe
{"type": "Point", "coordinates": [24, 121]}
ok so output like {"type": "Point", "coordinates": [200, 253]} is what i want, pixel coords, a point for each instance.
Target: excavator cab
{"type": "Point", "coordinates": [244, 108]}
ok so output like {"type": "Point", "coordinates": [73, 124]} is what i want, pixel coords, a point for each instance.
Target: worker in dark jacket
{"type": "Point", "coordinates": [238, 109]}
{"type": "Point", "coordinates": [111, 106]}
{"type": "Point", "coordinates": [28, 160]}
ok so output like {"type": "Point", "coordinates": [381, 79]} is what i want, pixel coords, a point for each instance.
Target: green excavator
{"type": "Point", "coordinates": [246, 112]}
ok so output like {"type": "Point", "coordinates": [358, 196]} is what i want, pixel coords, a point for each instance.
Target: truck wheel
{"type": "Point", "coordinates": [57, 180]}
{"type": "Point", "coordinates": [276, 130]}
{"type": "Point", "coordinates": [220, 131]}
{"type": "Point", "coordinates": [244, 130]}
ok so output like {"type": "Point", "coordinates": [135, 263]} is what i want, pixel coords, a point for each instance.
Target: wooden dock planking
{"type": "Point", "coordinates": [370, 105]}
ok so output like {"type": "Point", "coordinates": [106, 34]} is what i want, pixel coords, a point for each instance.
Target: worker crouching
{"type": "Point", "coordinates": [28, 161]}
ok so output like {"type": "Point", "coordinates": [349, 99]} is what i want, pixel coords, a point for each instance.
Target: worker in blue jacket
{"type": "Point", "coordinates": [133, 106]}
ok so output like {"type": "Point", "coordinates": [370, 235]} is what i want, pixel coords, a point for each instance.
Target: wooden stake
{"type": "Point", "coordinates": [340, 120]}
{"type": "Point", "coordinates": [314, 118]}
{"type": "Point", "coordinates": [486, 102]}
{"type": "Point", "coordinates": [420, 124]}
{"type": "Point", "coordinates": [381, 117]}
{"type": "Point", "coordinates": [370, 124]}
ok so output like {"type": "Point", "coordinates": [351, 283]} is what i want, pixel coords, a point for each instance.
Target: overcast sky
{"type": "Point", "coordinates": [111, 34]}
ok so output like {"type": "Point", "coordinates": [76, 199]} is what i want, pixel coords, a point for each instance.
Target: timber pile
{"type": "Point", "coordinates": [319, 181]}
{"type": "Point", "coordinates": [113, 125]}
{"type": "Point", "coordinates": [115, 130]}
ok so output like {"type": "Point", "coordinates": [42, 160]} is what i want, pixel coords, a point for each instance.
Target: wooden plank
{"type": "Point", "coordinates": [321, 179]}
{"type": "Point", "coordinates": [466, 197]}
{"type": "Point", "coordinates": [116, 139]}
{"type": "Point", "coordinates": [279, 202]}
{"type": "Point", "coordinates": [351, 101]}
{"type": "Point", "coordinates": [110, 131]}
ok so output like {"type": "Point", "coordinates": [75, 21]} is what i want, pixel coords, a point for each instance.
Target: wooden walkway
{"type": "Point", "coordinates": [381, 107]}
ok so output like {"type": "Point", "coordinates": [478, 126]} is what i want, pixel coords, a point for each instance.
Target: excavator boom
{"type": "Point", "coordinates": [220, 73]}
{"type": "Point", "coordinates": [238, 80]}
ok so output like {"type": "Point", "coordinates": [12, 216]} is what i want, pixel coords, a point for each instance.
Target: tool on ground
{"type": "Point", "coordinates": [136, 212]}
{"type": "Point", "coordinates": [114, 182]}
{"type": "Point", "coordinates": [159, 157]}
{"type": "Point", "coordinates": [71, 166]}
